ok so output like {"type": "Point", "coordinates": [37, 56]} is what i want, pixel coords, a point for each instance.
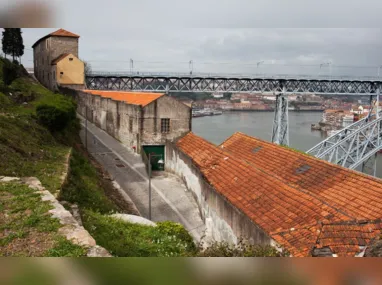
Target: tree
{"type": "Point", "coordinates": [87, 67]}
{"type": "Point", "coordinates": [6, 41]}
{"type": "Point", "coordinates": [12, 42]}
{"type": "Point", "coordinates": [19, 44]}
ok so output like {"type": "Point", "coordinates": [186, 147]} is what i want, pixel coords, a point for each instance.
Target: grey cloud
{"type": "Point", "coordinates": [164, 35]}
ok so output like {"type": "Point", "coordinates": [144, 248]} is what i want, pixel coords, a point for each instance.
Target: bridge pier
{"type": "Point", "coordinates": [280, 132]}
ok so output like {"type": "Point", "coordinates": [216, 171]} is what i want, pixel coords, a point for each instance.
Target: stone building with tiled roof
{"type": "Point", "coordinates": [270, 194]}
{"type": "Point", "coordinates": [56, 63]}
{"type": "Point", "coordinates": [139, 120]}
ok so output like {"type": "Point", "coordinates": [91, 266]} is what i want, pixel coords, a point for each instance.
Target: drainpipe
{"type": "Point", "coordinates": [140, 129]}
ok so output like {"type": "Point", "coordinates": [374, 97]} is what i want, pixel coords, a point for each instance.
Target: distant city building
{"type": "Point", "coordinates": [56, 63]}
{"type": "Point", "coordinates": [217, 95]}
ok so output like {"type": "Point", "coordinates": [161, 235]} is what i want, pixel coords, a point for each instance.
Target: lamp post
{"type": "Point", "coordinates": [161, 164]}
{"type": "Point", "coordinates": [131, 66]}
{"type": "Point", "coordinates": [379, 70]}
{"type": "Point", "coordinates": [191, 66]}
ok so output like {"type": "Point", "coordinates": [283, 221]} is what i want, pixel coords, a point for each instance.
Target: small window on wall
{"type": "Point", "coordinates": [165, 126]}
{"type": "Point", "coordinates": [70, 58]}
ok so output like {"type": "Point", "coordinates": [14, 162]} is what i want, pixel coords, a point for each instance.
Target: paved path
{"type": "Point", "coordinates": [170, 199]}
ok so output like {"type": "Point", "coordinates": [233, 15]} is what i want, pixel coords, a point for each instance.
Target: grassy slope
{"type": "Point", "coordinates": [26, 228]}
{"type": "Point", "coordinates": [84, 186]}
{"type": "Point", "coordinates": [28, 149]}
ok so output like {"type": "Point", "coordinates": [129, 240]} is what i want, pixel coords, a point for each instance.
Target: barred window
{"type": "Point", "coordinates": [165, 126]}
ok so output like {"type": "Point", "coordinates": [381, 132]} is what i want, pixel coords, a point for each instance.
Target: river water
{"type": "Point", "coordinates": [259, 124]}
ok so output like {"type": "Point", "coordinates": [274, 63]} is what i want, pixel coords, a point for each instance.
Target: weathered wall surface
{"type": "Point", "coordinates": [118, 119]}
{"type": "Point", "coordinates": [224, 222]}
{"type": "Point", "coordinates": [165, 108]}
{"type": "Point", "coordinates": [46, 51]}
{"type": "Point", "coordinates": [134, 125]}
{"type": "Point", "coordinates": [70, 70]}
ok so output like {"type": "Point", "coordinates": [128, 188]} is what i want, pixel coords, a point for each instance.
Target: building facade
{"type": "Point", "coordinates": [55, 58]}
{"type": "Point", "coordinates": [138, 120]}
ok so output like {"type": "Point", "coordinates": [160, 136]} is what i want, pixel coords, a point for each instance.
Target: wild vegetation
{"type": "Point", "coordinates": [26, 228]}
{"type": "Point", "coordinates": [28, 148]}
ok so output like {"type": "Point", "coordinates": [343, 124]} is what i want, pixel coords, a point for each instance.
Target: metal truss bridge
{"type": "Point", "coordinates": [354, 146]}
{"type": "Point", "coordinates": [238, 83]}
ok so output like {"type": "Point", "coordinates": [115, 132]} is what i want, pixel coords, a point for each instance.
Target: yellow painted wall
{"type": "Point", "coordinates": [73, 71]}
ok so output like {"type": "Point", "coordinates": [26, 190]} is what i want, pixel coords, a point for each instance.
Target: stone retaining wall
{"type": "Point", "coordinates": [70, 227]}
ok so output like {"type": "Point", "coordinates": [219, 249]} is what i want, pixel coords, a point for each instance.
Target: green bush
{"type": "Point", "coordinates": [10, 72]}
{"type": "Point", "coordinates": [4, 101]}
{"type": "Point", "coordinates": [242, 249]}
{"type": "Point", "coordinates": [133, 240]}
{"type": "Point", "coordinates": [56, 114]}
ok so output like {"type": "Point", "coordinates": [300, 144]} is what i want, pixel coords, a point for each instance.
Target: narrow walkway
{"type": "Point", "coordinates": [170, 199]}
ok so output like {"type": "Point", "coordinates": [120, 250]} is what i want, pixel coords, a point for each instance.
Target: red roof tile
{"type": "Point", "coordinates": [342, 188]}
{"type": "Point", "coordinates": [58, 33]}
{"type": "Point", "coordinates": [134, 98]}
{"type": "Point", "coordinates": [64, 33]}
{"type": "Point", "coordinates": [291, 208]}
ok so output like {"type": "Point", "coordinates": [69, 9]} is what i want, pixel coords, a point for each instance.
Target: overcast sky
{"type": "Point", "coordinates": [293, 36]}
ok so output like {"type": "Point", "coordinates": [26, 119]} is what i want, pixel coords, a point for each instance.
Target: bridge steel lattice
{"type": "Point", "coordinates": [354, 145]}
{"type": "Point", "coordinates": [277, 84]}
{"type": "Point", "coordinates": [351, 147]}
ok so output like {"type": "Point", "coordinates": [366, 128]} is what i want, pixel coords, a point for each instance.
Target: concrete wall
{"type": "Point", "coordinates": [46, 51]}
{"type": "Point", "coordinates": [224, 222]}
{"type": "Point", "coordinates": [70, 70]}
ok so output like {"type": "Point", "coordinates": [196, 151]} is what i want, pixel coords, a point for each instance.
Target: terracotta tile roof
{"type": "Point", "coordinates": [291, 208]}
{"type": "Point", "coordinates": [57, 59]}
{"type": "Point", "coordinates": [64, 33]}
{"type": "Point", "coordinates": [134, 98]}
{"type": "Point", "coordinates": [348, 240]}
{"type": "Point", "coordinates": [58, 33]}
{"type": "Point", "coordinates": [342, 188]}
